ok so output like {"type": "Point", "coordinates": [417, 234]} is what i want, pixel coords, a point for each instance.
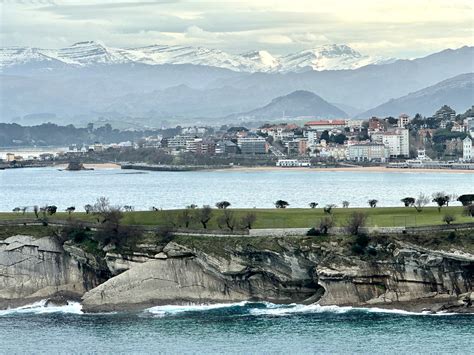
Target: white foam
{"type": "Point", "coordinates": [176, 309]}
{"type": "Point", "coordinates": [40, 307]}
{"type": "Point", "coordinates": [283, 310]}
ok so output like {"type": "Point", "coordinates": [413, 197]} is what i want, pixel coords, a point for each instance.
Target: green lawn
{"type": "Point", "coordinates": [292, 217]}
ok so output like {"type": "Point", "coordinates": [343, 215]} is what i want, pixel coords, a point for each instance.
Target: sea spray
{"type": "Point", "coordinates": [42, 307]}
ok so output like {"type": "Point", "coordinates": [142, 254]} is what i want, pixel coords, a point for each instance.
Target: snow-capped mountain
{"type": "Point", "coordinates": [328, 57]}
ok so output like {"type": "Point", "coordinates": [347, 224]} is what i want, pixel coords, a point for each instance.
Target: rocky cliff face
{"type": "Point", "coordinates": [32, 269]}
{"type": "Point", "coordinates": [396, 274]}
{"type": "Point", "coordinates": [402, 275]}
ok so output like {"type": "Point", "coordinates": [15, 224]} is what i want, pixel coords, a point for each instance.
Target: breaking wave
{"type": "Point", "coordinates": [271, 309]}
{"type": "Point", "coordinates": [41, 307]}
{"type": "Point", "coordinates": [177, 309]}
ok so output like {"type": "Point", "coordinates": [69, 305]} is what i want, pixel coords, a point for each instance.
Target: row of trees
{"type": "Point", "coordinates": [227, 219]}
{"type": "Point", "coordinates": [440, 198]}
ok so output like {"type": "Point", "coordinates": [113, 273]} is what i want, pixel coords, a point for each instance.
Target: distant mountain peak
{"type": "Point", "coordinates": [299, 103]}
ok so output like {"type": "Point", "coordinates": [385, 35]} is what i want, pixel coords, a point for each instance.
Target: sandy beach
{"type": "Point", "coordinates": [358, 169]}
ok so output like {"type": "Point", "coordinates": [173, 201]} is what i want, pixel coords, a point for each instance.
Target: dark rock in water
{"type": "Point", "coordinates": [56, 302]}
{"type": "Point", "coordinates": [76, 166]}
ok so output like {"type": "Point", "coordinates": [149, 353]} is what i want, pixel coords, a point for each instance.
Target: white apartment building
{"type": "Point", "coordinates": [397, 141]}
{"type": "Point", "coordinates": [179, 141]}
{"type": "Point", "coordinates": [403, 121]}
{"type": "Point", "coordinates": [467, 149]}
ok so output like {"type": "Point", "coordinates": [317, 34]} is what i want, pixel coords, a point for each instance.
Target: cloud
{"type": "Point", "coordinates": [401, 28]}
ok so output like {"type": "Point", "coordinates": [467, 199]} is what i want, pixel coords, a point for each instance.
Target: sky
{"type": "Point", "coordinates": [398, 28]}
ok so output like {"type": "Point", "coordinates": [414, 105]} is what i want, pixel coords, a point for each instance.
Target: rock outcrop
{"type": "Point", "coordinates": [406, 276]}
{"type": "Point", "coordinates": [395, 274]}
{"type": "Point", "coordinates": [38, 268]}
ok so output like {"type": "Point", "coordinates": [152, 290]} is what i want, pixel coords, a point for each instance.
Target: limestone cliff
{"type": "Point", "coordinates": [37, 268]}
{"type": "Point", "coordinates": [396, 273]}
{"type": "Point", "coordinates": [402, 275]}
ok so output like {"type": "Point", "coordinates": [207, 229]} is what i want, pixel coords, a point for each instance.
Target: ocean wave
{"type": "Point", "coordinates": [272, 309]}
{"type": "Point", "coordinates": [285, 310]}
{"type": "Point", "coordinates": [41, 307]}
{"type": "Point", "coordinates": [177, 309]}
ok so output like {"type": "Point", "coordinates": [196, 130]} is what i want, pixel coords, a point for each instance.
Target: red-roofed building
{"type": "Point", "coordinates": [326, 125]}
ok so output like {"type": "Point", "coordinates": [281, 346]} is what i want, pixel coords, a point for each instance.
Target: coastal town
{"type": "Point", "coordinates": [443, 141]}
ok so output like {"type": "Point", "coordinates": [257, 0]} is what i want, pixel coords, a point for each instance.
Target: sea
{"type": "Point", "coordinates": [242, 188]}
{"type": "Point", "coordinates": [239, 328]}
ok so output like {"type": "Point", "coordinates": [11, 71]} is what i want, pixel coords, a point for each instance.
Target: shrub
{"type": "Point", "coordinates": [360, 243]}
{"type": "Point", "coordinates": [469, 210]}
{"type": "Point", "coordinates": [325, 224]}
{"type": "Point", "coordinates": [313, 232]}
{"type": "Point", "coordinates": [356, 221]}
{"type": "Point", "coordinates": [448, 218]}
{"type": "Point", "coordinates": [75, 231]}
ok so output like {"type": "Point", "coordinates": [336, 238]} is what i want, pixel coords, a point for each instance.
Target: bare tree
{"type": "Point", "coordinates": [345, 204]}
{"type": "Point", "coordinates": [421, 201]}
{"type": "Point", "coordinates": [186, 217]}
{"type": "Point", "coordinates": [356, 221]}
{"type": "Point", "coordinates": [248, 220]}
{"type": "Point", "coordinates": [227, 219]}
{"type": "Point", "coordinates": [325, 224]}
{"type": "Point", "coordinates": [88, 208]}
{"type": "Point", "coordinates": [204, 215]}
{"type": "Point", "coordinates": [328, 208]}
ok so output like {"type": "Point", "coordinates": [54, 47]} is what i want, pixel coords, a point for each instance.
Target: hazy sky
{"type": "Point", "coordinates": [399, 28]}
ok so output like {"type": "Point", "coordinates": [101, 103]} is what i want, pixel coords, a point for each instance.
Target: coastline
{"type": "Point", "coordinates": [359, 169]}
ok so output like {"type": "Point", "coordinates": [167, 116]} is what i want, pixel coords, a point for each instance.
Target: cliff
{"type": "Point", "coordinates": [33, 269]}
{"type": "Point", "coordinates": [392, 272]}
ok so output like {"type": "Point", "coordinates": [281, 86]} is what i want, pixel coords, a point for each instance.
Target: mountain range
{"type": "Point", "coordinates": [87, 81]}
{"type": "Point", "coordinates": [457, 91]}
{"type": "Point", "coordinates": [327, 57]}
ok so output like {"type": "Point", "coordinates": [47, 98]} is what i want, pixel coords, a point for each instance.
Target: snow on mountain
{"type": "Point", "coordinates": [329, 57]}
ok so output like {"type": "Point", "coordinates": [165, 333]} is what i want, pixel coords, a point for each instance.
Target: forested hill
{"type": "Point", "coordinates": [48, 134]}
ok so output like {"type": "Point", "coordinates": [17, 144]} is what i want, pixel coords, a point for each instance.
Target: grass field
{"type": "Point", "coordinates": [289, 218]}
